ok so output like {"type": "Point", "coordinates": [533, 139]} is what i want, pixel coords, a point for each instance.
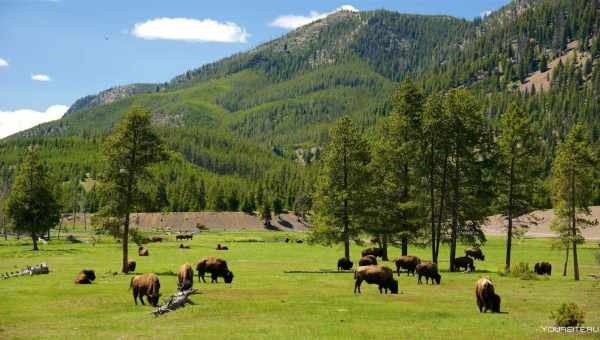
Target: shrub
{"type": "Point", "coordinates": [136, 236]}
{"type": "Point", "coordinates": [523, 272]}
{"type": "Point", "coordinates": [568, 315]}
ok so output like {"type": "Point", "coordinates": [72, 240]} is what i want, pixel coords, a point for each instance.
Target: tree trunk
{"type": "Point", "coordinates": [454, 231]}
{"type": "Point", "coordinates": [34, 239]}
{"type": "Point", "coordinates": [432, 202]}
{"type": "Point", "coordinates": [510, 215]}
{"type": "Point", "coordinates": [60, 226]}
{"type": "Point", "coordinates": [574, 229]}
{"type": "Point", "coordinates": [404, 245]}
{"type": "Point", "coordinates": [442, 208]}
{"type": "Point", "coordinates": [347, 248]}
{"type": "Point", "coordinates": [84, 222]}
{"type": "Point", "coordinates": [384, 247]}
{"type": "Point", "coordinates": [566, 261]}
{"type": "Point", "coordinates": [125, 268]}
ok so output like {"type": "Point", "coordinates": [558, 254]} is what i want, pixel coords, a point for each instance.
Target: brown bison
{"type": "Point", "coordinates": [131, 265]}
{"type": "Point", "coordinates": [156, 239]}
{"type": "Point", "coordinates": [220, 247]}
{"type": "Point", "coordinates": [475, 253]}
{"type": "Point", "coordinates": [185, 277]}
{"type": "Point", "coordinates": [465, 263]}
{"type": "Point", "coordinates": [143, 251]}
{"type": "Point", "coordinates": [377, 252]}
{"type": "Point", "coordinates": [543, 268]}
{"type": "Point", "coordinates": [344, 264]}
{"type": "Point", "coordinates": [486, 297]}
{"type": "Point", "coordinates": [181, 246]}
{"type": "Point", "coordinates": [216, 267]}
{"type": "Point", "coordinates": [430, 271]}
{"type": "Point", "coordinates": [85, 277]}
{"type": "Point", "coordinates": [376, 274]}
{"type": "Point", "coordinates": [367, 260]}
{"type": "Point", "coordinates": [407, 262]}
{"type": "Point", "coordinates": [145, 285]}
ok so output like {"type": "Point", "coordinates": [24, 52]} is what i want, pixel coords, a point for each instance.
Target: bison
{"type": "Point", "coordinates": [486, 297]}
{"type": "Point", "coordinates": [156, 239]}
{"type": "Point", "coordinates": [407, 262]}
{"type": "Point", "coordinates": [367, 260]}
{"type": "Point", "coordinates": [185, 277]}
{"type": "Point", "coordinates": [475, 253]}
{"type": "Point", "coordinates": [377, 252]}
{"type": "Point", "coordinates": [216, 267]}
{"type": "Point", "coordinates": [145, 285]}
{"type": "Point", "coordinates": [465, 263]}
{"type": "Point", "coordinates": [344, 264]}
{"type": "Point", "coordinates": [143, 251]}
{"type": "Point", "coordinates": [181, 246]}
{"type": "Point", "coordinates": [543, 268]}
{"type": "Point", "coordinates": [131, 265]}
{"type": "Point", "coordinates": [220, 247]}
{"type": "Point", "coordinates": [85, 277]}
{"type": "Point", "coordinates": [376, 274]}
{"type": "Point", "coordinates": [430, 271]}
{"type": "Point", "coordinates": [184, 237]}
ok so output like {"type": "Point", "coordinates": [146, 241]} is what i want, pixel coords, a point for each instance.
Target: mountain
{"type": "Point", "coordinates": [245, 119]}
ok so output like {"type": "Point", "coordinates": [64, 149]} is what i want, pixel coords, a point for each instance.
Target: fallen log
{"type": "Point", "coordinates": [176, 301]}
{"type": "Point", "coordinates": [35, 270]}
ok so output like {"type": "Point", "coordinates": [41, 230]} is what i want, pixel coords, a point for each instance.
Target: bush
{"type": "Point", "coordinates": [568, 315]}
{"type": "Point", "coordinates": [523, 272]}
{"type": "Point", "coordinates": [136, 236]}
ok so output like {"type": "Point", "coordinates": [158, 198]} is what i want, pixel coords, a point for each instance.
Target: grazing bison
{"type": "Point", "coordinates": [145, 285]}
{"type": "Point", "coordinates": [219, 247]}
{"type": "Point", "coordinates": [156, 239]}
{"type": "Point", "coordinates": [377, 252]}
{"type": "Point", "coordinates": [184, 237]}
{"type": "Point", "coordinates": [287, 240]}
{"type": "Point", "coordinates": [216, 267]}
{"type": "Point", "coordinates": [143, 251]}
{"type": "Point", "coordinates": [131, 265]}
{"type": "Point", "coordinates": [543, 268]}
{"type": "Point", "coordinates": [430, 271]}
{"type": "Point", "coordinates": [367, 260]}
{"type": "Point", "coordinates": [344, 264]}
{"type": "Point", "coordinates": [465, 263]}
{"type": "Point", "coordinates": [181, 246]}
{"type": "Point", "coordinates": [85, 277]}
{"type": "Point", "coordinates": [376, 274]}
{"type": "Point", "coordinates": [299, 241]}
{"type": "Point", "coordinates": [185, 277]}
{"type": "Point", "coordinates": [407, 262]}
{"type": "Point", "coordinates": [475, 253]}
{"type": "Point", "coordinates": [486, 297]}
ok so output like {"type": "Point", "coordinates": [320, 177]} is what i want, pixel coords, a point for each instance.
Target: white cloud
{"type": "Point", "coordinates": [3, 62]}
{"type": "Point", "coordinates": [12, 122]}
{"type": "Point", "coordinates": [40, 77]}
{"type": "Point", "coordinates": [485, 14]}
{"type": "Point", "coordinates": [190, 30]}
{"type": "Point", "coordinates": [295, 21]}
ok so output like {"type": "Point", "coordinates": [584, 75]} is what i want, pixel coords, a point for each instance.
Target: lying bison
{"type": "Point", "coordinates": [145, 285]}
{"type": "Point", "coordinates": [216, 267]}
{"type": "Point", "coordinates": [377, 252]}
{"type": "Point", "coordinates": [344, 264]}
{"type": "Point", "coordinates": [156, 239]}
{"type": "Point", "coordinates": [475, 253]}
{"type": "Point", "coordinates": [430, 271]}
{"type": "Point", "coordinates": [220, 247]}
{"type": "Point", "coordinates": [543, 268]}
{"type": "Point", "coordinates": [131, 265]}
{"type": "Point", "coordinates": [407, 262]}
{"type": "Point", "coordinates": [85, 277]}
{"type": "Point", "coordinates": [465, 263]}
{"type": "Point", "coordinates": [185, 277]}
{"type": "Point", "coordinates": [181, 246]}
{"type": "Point", "coordinates": [376, 274]}
{"type": "Point", "coordinates": [367, 260]}
{"type": "Point", "coordinates": [143, 251]}
{"type": "Point", "coordinates": [486, 297]}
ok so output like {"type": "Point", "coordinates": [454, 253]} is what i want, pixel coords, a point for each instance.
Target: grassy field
{"type": "Point", "coordinates": [265, 303]}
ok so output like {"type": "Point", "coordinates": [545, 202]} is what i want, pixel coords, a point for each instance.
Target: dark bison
{"type": "Point", "coordinates": [543, 268]}
{"type": "Point", "coordinates": [486, 297]}
{"type": "Point", "coordinates": [287, 240]}
{"type": "Point", "coordinates": [299, 241]}
{"type": "Point", "coordinates": [143, 251]}
{"type": "Point", "coordinates": [185, 277]}
{"type": "Point", "coordinates": [131, 265]}
{"type": "Point", "coordinates": [465, 263]}
{"type": "Point", "coordinates": [216, 267]}
{"type": "Point", "coordinates": [430, 271]}
{"type": "Point", "coordinates": [145, 285]}
{"type": "Point", "coordinates": [156, 239]}
{"type": "Point", "coordinates": [220, 247]}
{"type": "Point", "coordinates": [367, 260]}
{"type": "Point", "coordinates": [85, 277]}
{"type": "Point", "coordinates": [475, 253]}
{"type": "Point", "coordinates": [407, 262]}
{"type": "Point", "coordinates": [184, 237]}
{"type": "Point", "coordinates": [377, 252]}
{"type": "Point", "coordinates": [181, 246]}
{"type": "Point", "coordinates": [376, 274]}
{"type": "Point", "coordinates": [344, 264]}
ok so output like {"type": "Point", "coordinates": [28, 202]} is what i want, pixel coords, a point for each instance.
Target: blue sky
{"type": "Point", "coordinates": [55, 51]}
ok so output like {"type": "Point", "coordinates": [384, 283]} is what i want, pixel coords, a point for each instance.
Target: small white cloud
{"type": "Point", "coordinates": [485, 14]}
{"type": "Point", "coordinates": [190, 30]}
{"type": "Point", "coordinates": [40, 77]}
{"type": "Point", "coordinates": [12, 122]}
{"type": "Point", "coordinates": [295, 21]}
{"type": "Point", "coordinates": [3, 62]}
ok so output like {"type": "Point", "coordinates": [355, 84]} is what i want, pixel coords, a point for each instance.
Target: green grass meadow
{"type": "Point", "coordinates": [265, 303]}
